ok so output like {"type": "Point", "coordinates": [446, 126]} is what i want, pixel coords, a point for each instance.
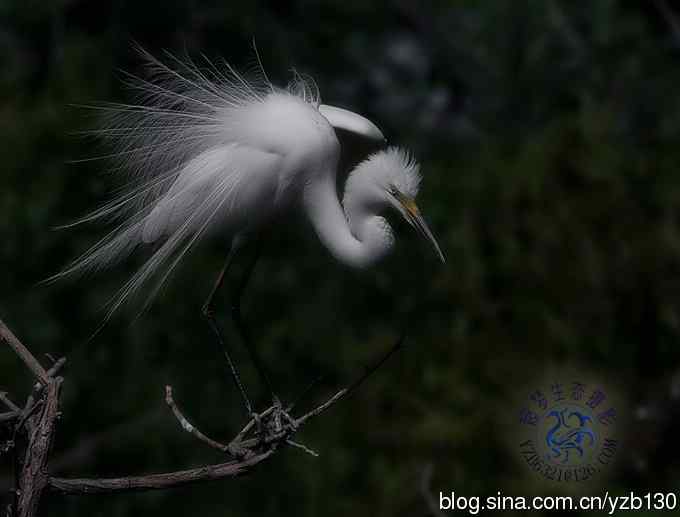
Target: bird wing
{"type": "Point", "coordinates": [354, 150]}
{"type": "Point", "coordinates": [221, 184]}
{"type": "Point", "coordinates": [347, 120]}
{"type": "Point", "coordinates": [223, 188]}
{"type": "Point", "coordinates": [181, 145]}
{"type": "Point", "coordinates": [358, 137]}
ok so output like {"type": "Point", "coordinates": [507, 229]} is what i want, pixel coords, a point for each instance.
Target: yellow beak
{"type": "Point", "coordinates": [408, 208]}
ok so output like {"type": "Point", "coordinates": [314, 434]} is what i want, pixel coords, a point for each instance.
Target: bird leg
{"type": "Point", "coordinates": [277, 419]}
{"type": "Point", "coordinates": [209, 314]}
{"type": "Point", "coordinates": [280, 416]}
{"type": "Point", "coordinates": [239, 322]}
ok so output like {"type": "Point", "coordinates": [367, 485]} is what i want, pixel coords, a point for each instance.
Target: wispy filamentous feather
{"type": "Point", "coordinates": [178, 150]}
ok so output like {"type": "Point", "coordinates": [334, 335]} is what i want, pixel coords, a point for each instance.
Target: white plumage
{"type": "Point", "coordinates": [206, 151]}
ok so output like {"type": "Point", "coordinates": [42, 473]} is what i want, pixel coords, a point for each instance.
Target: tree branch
{"type": "Point", "coordinates": [370, 370]}
{"type": "Point", "coordinates": [156, 481]}
{"type": "Point", "coordinates": [188, 427]}
{"type": "Point", "coordinates": [425, 491]}
{"type": "Point", "coordinates": [9, 416]}
{"type": "Point", "coordinates": [27, 357]}
{"type": "Point", "coordinates": [6, 400]}
{"type": "Point", "coordinates": [259, 439]}
{"type": "Point", "coordinates": [34, 475]}
{"type": "Point", "coordinates": [265, 445]}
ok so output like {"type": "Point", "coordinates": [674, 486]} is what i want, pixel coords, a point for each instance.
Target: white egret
{"type": "Point", "coordinates": [209, 152]}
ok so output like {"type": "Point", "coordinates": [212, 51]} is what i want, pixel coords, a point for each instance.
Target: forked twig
{"type": "Point", "coordinates": [257, 441]}
{"type": "Point", "coordinates": [252, 450]}
{"type": "Point", "coordinates": [27, 357]}
{"type": "Point", "coordinates": [37, 420]}
{"type": "Point", "coordinates": [188, 427]}
{"type": "Point", "coordinates": [6, 400]}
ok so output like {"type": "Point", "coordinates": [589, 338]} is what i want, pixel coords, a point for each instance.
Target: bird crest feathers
{"type": "Point", "coordinates": [393, 167]}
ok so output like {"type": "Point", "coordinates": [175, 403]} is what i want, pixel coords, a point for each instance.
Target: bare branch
{"type": "Point", "coordinates": [56, 367]}
{"type": "Point", "coordinates": [85, 450]}
{"type": "Point", "coordinates": [305, 392]}
{"type": "Point", "coordinates": [27, 413]}
{"type": "Point", "coordinates": [425, 491]}
{"type": "Point", "coordinates": [27, 357]}
{"type": "Point", "coordinates": [188, 427]}
{"type": "Point", "coordinates": [322, 407]}
{"type": "Point", "coordinates": [354, 385]}
{"type": "Point", "coordinates": [267, 443]}
{"type": "Point", "coordinates": [257, 441]}
{"type": "Point", "coordinates": [34, 475]}
{"type": "Point", "coordinates": [6, 400]}
{"type": "Point", "coordinates": [303, 447]}
{"type": "Point", "coordinates": [10, 416]}
{"type": "Point", "coordinates": [157, 481]}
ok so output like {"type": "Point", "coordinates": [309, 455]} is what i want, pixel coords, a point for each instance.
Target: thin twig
{"type": "Point", "coordinates": [303, 447]}
{"type": "Point", "coordinates": [354, 385]}
{"type": "Point", "coordinates": [425, 490]}
{"type": "Point", "coordinates": [27, 357]}
{"type": "Point", "coordinates": [84, 452]}
{"type": "Point", "coordinates": [26, 415]}
{"type": "Point", "coordinates": [268, 442]}
{"type": "Point", "coordinates": [32, 402]}
{"type": "Point", "coordinates": [40, 428]}
{"type": "Point", "coordinates": [6, 400]}
{"type": "Point", "coordinates": [322, 407]}
{"type": "Point", "coordinates": [305, 392]}
{"type": "Point", "coordinates": [56, 367]}
{"type": "Point", "coordinates": [10, 416]}
{"type": "Point", "coordinates": [251, 423]}
{"type": "Point", "coordinates": [188, 426]}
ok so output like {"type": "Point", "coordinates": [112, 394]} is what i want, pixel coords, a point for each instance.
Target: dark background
{"type": "Point", "coordinates": [549, 138]}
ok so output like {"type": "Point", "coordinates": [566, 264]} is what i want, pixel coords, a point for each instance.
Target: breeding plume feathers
{"type": "Point", "coordinates": [178, 150]}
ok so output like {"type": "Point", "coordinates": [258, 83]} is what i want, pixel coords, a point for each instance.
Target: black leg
{"type": "Point", "coordinates": [242, 328]}
{"type": "Point", "coordinates": [209, 313]}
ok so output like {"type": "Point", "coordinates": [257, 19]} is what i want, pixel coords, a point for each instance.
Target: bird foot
{"type": "Point", "coordinates": [257, 420]}
{"type": "Point", "coordinates": [238, 451]}
{"type": "Point", "coordinates": [281, 420]}
{"type": "Point", "coordinates": [275, 423]}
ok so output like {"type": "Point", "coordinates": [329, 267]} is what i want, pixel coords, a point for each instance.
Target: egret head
{"type": "Point", "coordinates": [389, 178]}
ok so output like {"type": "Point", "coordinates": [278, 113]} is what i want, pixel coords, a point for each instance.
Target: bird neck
{"type": "Point", "coordinates": [359, 244]}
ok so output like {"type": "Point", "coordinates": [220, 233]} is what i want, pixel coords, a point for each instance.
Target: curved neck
{"type": "Point", "coordinates": [371, 239]}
